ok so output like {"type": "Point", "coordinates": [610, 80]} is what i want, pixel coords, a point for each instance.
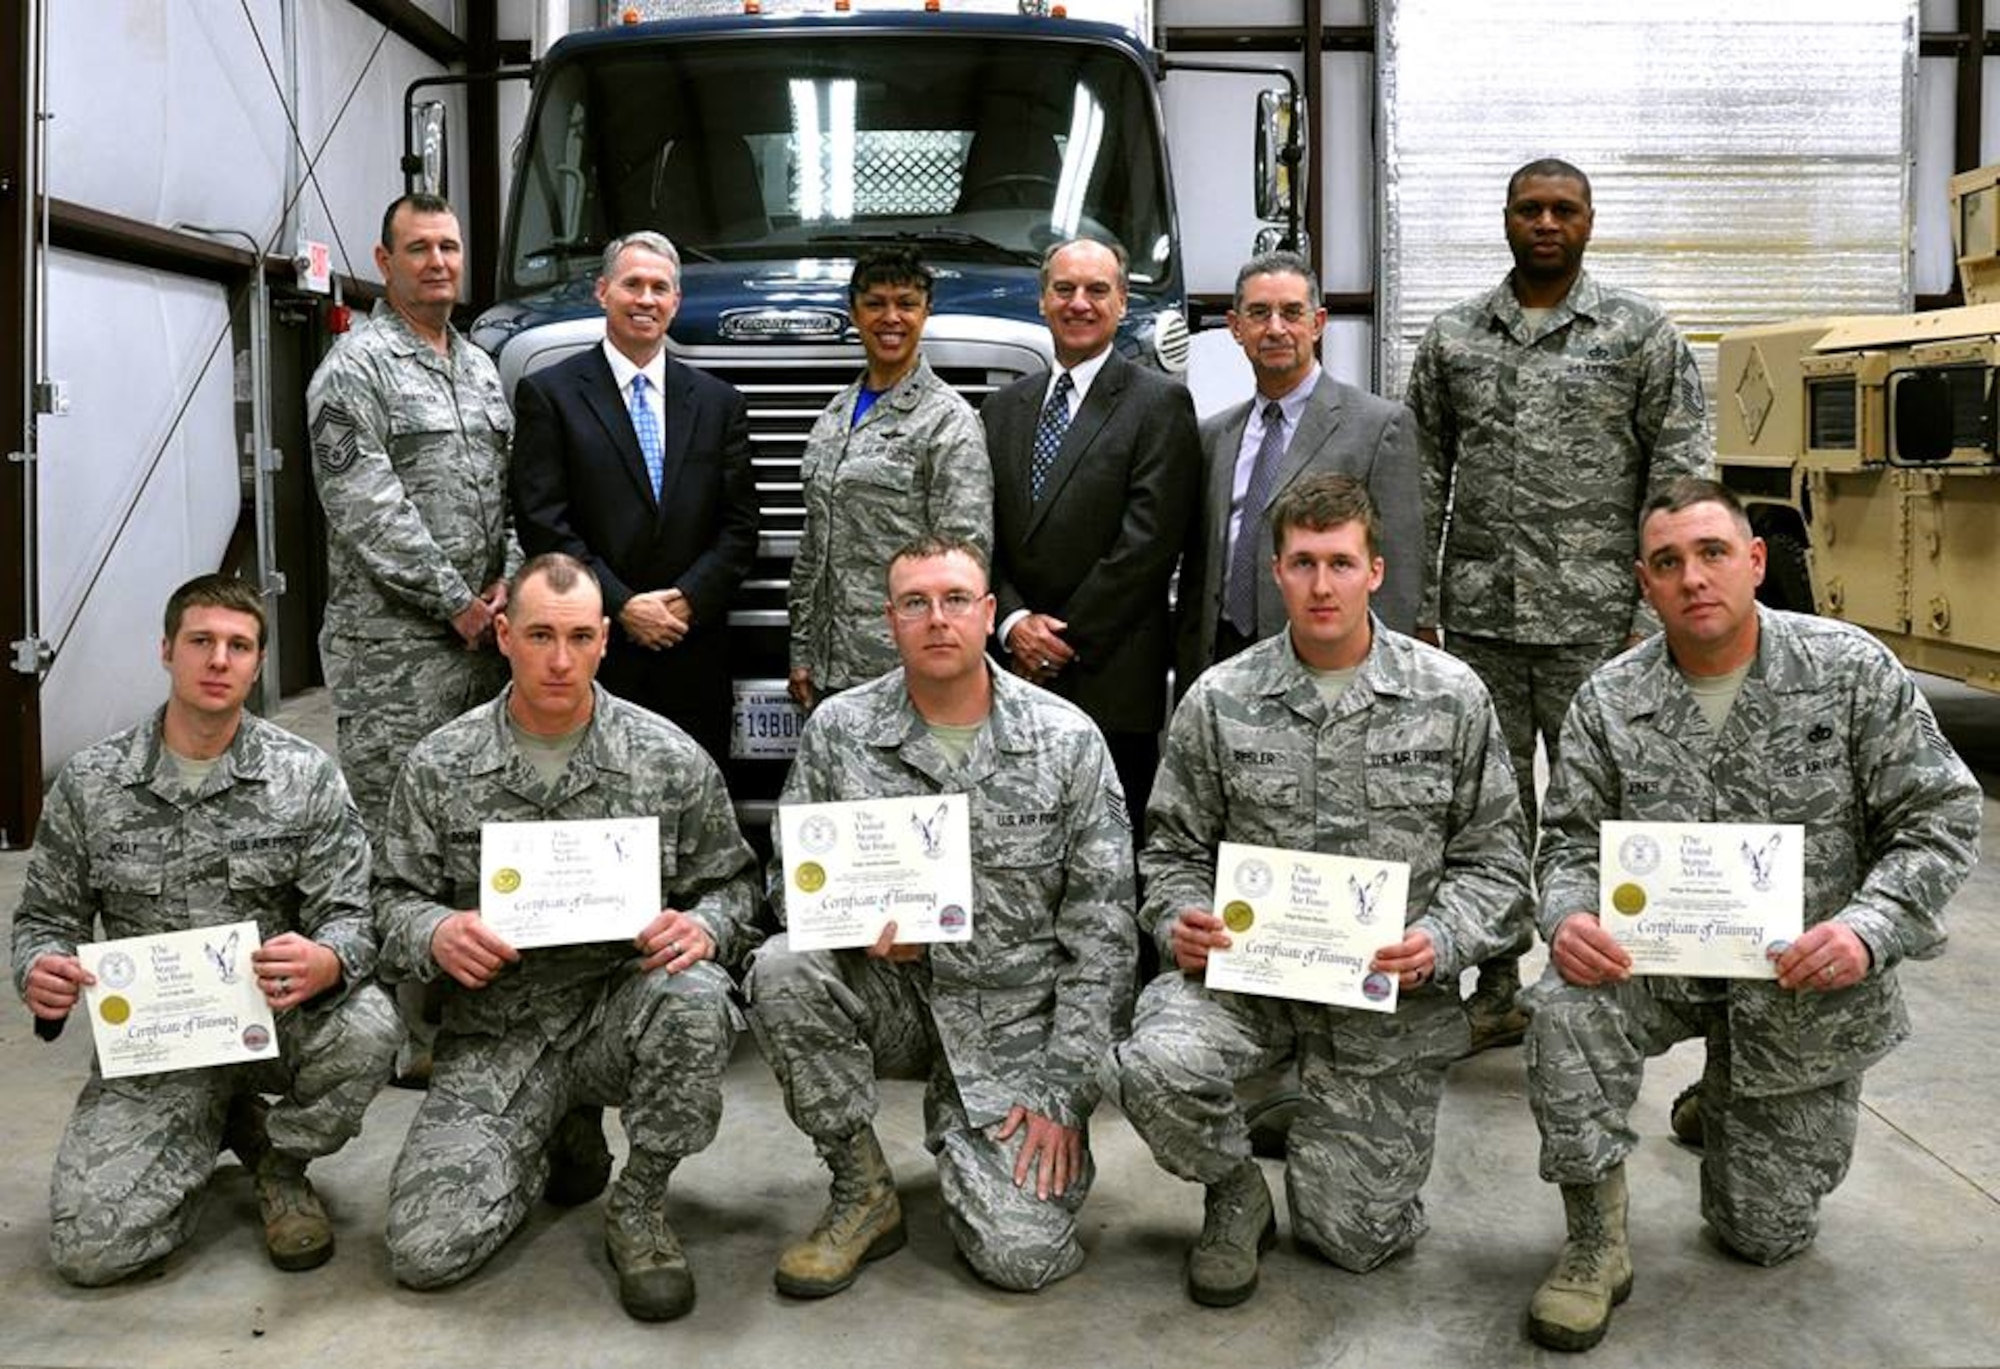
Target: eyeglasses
{"type": "Point", "coordinates": [1260, 314]}
{"type": "Point", "coordinates": [914, 608]}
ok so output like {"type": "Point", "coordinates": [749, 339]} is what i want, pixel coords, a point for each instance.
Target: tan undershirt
{"type": "Point", "coordinates": [1715, 695]}
{"type": "Point", "coordinates": [955, 740]}
{"type": "Point", "coordinates": [1331, 684]}
{"type": "Point", "coordinates": [548, 757]}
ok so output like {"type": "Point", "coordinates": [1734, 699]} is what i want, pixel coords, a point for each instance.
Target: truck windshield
{"type": "Point", "coordinates": [770, 146]}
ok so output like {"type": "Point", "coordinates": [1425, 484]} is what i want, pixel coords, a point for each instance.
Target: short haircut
{"type": "Point", "coordinates": [216, 591]}
{"type": "Point", "coordinates": [648, 239]}
{"type": "Point", "coordinates": [1688, 490]}
{"type": "Point", "coordinates": [935, 544]}
{"type": "Point", "coordinates": [1279, 263]}
{"type": "Point", "coordinates": [1325, 501]}
{"type": "Point", "coordinates": [418, 203]}
{"type": "Point", "coordinates": [562, 571]}
{"type": "Point", "coordinates": [889, 266]}
{"type": "Point", "coordinates": [1548, 166]}
{"type": "Point", "coordinates": [1118, 254]}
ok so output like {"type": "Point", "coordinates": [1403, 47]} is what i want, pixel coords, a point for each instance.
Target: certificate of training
{"type": "Point", "coordinates": [1716, 899]}
{"type": "Point", "coordinates": [177, 1001]}
{"type": "Point", "coordinates": [566, 883]}
{"type": "Point", "coordinates": [1306, 926]}
{"type": "Point", "coordinates": [852, 867]}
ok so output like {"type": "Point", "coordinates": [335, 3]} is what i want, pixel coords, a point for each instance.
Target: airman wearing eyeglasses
{"type": "Point", "coordinates": [1008, 1027]}
{"type": "Point", "coordinates": [1300, 422]}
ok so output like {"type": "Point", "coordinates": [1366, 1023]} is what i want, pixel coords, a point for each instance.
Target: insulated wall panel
{"type": "Point", "coordinates": [1750, 162]}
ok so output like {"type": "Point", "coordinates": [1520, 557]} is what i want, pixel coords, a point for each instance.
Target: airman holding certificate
{"type": "Point", "coordinates": [1008, 1025]}
{"type": "Point", "coordinates": [1340, 738]}
{"type": "Point", "coordinates": [224, 861]}
{"type": "Point", "coordinates": [535, 1042]}
{"type": "Point", "coordinates": [1735, 714]}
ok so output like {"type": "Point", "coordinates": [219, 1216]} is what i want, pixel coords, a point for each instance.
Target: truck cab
{"type": "Point", "coordinates": [775, 150]}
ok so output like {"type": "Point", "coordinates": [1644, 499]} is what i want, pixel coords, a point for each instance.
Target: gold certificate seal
{"type": "Point", "coordinates": [114, 1010]}
{"type": "Point", "coordinates": [811, 877]}
{"type": "Point", "coordinates": [1629, 899]}
{"type": "Point", "coordinates": [1237, 916]}
{"type": "Point", "coordinates": [506, 880]}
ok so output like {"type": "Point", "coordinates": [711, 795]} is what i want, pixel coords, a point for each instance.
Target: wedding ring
{"type": "Point", "coordinates": [284, 985]}
{"type": "Point", "coordinates": [1826, 974]}
{"type": "Point", "coordinates": [1045, 663]}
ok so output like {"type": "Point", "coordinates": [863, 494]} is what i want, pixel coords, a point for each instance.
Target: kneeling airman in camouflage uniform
{"type": "Point", "coordinates": [1735, 714]}
{"type": "Point", "coordinates": [1341, 737]}
{"type": "Point", "coordinates": [203, 815]}
{"type": "Point", "coordinates": [532, 1041]}
{"type": "Point", "coordinates": [1009, 1028]}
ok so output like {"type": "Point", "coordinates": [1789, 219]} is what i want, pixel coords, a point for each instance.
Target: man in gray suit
{"type": "Point", "coordinates": [1301, 421]}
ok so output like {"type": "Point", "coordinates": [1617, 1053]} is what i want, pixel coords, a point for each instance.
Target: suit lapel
{"type": "Point", "coordinates": [1317, 425]}
{"type": "Point", "coordinates": [1090, 418]}
{"type": "Point", "coordinates": [679, 421]}
{"type": "Point", "coordinates": [1012, 449]}
{"type": "Point", "coordinates": [600, 394]}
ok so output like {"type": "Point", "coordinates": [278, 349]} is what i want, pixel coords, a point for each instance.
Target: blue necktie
{"type": "Point", "coordinates": [1049, 434]}
{"type": "Point", "coordinates": [1239, 592]}
{"type": "Point", "coordinates": [646, 424]}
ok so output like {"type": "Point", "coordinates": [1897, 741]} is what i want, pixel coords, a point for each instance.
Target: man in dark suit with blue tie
{"type": "Point", "coordinates": [1096, 471]}
{"type": "Point", "coordinates": [639, 466]}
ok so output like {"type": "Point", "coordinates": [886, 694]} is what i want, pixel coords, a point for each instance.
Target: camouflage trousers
{"type": "Point", "coordinates": [1361, 1146]}
{"type": "Point", "coordinates": [1531, 687]}
{"type": "Point", "coordinates": [1766, 1161]}
{"type": "Point", "coordinates": [477, 1158]}
{"type": "Point", "coordinates": [831, 1023]}
{"type": "Point", "coordinates": [388, 695]}
{"type": "Point", "coordinates": [134, 1160]}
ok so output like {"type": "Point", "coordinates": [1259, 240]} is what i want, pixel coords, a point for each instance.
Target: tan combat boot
{"type": "Point", "coordinates": [654, 1282]}
{"type": "Point", "coordinates": [864, 1221]}
{"type": "Point", "coordinates": [296, 1230]}
{"type": "Point", "coordinates": [1237, 1227]}
{"type": "Point", "coordinates": [1572, 1308]}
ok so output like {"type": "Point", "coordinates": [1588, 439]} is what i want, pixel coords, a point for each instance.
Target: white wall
{"type": "Point", "coordinates": [98, 459]}
{"type": "Point", "coordinates": [165, 112]}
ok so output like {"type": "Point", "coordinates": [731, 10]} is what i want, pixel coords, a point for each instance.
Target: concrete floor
{"type": "Point", "coordinates": [1906, 1271]}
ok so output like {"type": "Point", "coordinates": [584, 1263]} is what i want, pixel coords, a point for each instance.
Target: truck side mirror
{"type": "Point", "coordinates": [1280, 154]}
{"type": "Point", "coordinates": [1923, 416]}
{"type": "Point", "coordinates": [425, 169]}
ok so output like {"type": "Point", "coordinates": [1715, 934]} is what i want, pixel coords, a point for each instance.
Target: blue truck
{"type": "Point", "coordinates": [773, 149]}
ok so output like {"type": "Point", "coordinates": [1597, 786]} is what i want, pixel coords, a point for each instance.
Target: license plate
{"type": "Point", "coordinates": [766, 724]}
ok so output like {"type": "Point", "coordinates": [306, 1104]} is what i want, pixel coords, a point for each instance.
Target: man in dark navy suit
{"type": "Point", "coordinates": [1096, 472]}
{"type": "Point", "coordinates": [639, 467]}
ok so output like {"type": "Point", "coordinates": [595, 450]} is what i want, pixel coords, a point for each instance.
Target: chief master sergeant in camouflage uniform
{"type": "Point", "coordinates": [1010, 1027]}
{"type": "Point", "coordinates": [199, 816]}
{"type": "Point", "coordinates": [409, 434]}
{"type": "Point", "coordinates": [1547, 410]}
{"type": "Point", "coordinates": [1736, 714]}
{"type": "Point", "coordinates": [1341, 737]}
{"type": "Point", "coordinates": [528, 1036]}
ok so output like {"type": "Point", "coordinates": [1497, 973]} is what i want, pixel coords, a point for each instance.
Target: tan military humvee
{"type": "Point", "coordinates": [1868, 450]}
